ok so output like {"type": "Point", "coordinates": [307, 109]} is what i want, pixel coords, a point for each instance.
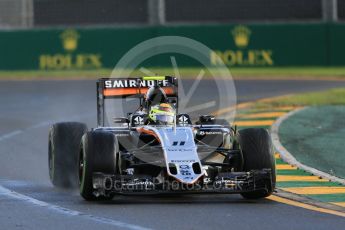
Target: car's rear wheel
{"type": "Point", "coordinates": [257, 151]}
{"type": "Point", "coordinates": [97, 154]}
{"type": "Point", "coordinates": [63, 149]}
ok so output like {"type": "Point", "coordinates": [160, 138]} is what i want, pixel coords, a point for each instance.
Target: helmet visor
{"type": "Point", "coordinates": [165, 119]}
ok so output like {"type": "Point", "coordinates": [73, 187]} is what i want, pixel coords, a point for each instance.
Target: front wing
{"type": "Point", "coordinates": [234, 182]}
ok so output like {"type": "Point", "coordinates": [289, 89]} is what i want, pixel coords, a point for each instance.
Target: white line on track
{"type": "Point", "coordinates": [66, 211]}
{"type": "Point", "coordinates": [61, 210]}
{"type": "Point", "coordinates": [11, 134]}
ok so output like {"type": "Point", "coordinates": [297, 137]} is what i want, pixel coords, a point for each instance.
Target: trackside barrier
{"type": "Point", "coordinates": [251, 45]}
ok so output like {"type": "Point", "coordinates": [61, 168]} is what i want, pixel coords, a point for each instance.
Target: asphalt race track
{"type": "Point", "coordinates": [28, 200]}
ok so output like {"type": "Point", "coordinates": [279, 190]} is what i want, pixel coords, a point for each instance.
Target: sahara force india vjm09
{"type": "Point", "coordinates": [154, 149]}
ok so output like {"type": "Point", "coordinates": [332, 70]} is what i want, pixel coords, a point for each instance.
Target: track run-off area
{"type": "Point", "coordinates": [29, 201]}
{"type": "Point", "coordinates": [289, 177]}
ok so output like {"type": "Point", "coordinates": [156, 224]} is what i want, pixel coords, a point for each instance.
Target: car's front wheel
{"type": "Point", "coordinates": [257, 151]}
{"type": "Point", "coordinates": [97, 154]}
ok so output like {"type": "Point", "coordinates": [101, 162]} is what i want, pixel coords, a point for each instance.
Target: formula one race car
{"type": "Point", "coordinates": [154, 149]}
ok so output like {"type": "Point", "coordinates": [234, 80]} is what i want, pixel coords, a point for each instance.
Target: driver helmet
{"type": "Point", "coordinates": [162, 114]}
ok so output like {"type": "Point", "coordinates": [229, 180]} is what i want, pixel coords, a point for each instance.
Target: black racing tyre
{"type": "Point", "coordinates": [63, 151]}
{"type": "Point", "coordinates": [257, 151]}
{"type": "Point", "coordinates": [97, 154]}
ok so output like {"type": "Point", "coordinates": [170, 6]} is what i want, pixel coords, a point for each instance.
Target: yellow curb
{"type": "Point", "coordinates": [306, 206]}
{"type": "Point", "coordinates": [232, 108]}
{"type": "Point", "coordinates": [285, 167]}
{"type": "Point", "coordinates": [270, 99]}
{"type": "Point", "coordinates": [342, 204]}
{"type": "Point", "coordinates": [287, 107]}
{"type": "Point", "coordinates": [316, 190]}
{"type": "Point", "coordinates": [254, 123]}
{"type": "Point", "coordinates": [249, 104]}
{"type": "Point", "coordinates": [261, 115]}
{"type": "Point", "coordinates": [284, 178]}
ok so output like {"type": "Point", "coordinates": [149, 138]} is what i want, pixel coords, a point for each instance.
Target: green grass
{"type": "Point", "coordinates": [289, 184]}
{"type": "Point", "coordinates": [250, 72]}
{"type": "Point", "coordinates": [293, 173]}
{"type": "Point", "coordinates": [329, 197]}
{"type": "Point", "coordinates": [292, 71]}
{"type": "Point", "coordinates": [39, 74]}
{"type": "Point", "coordinates": [328, 97]}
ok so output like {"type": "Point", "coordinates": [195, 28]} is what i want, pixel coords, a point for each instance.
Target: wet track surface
{"type": "Point", "coordinates": [27, 110]}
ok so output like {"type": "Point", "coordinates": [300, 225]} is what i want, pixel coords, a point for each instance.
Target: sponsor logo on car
{"type": "Point", "coordinates": [138, 120]}
{"type": "Point", "coordinates": [182, 161]}
{"type": "Point", "coordinates": [132, 83]}
{"type": "Point", "coordinates": [179, 150]}
{"type": "Point", "coordinates": [209, 132]}
{"type": "Point", "coordinates": [183, 119]}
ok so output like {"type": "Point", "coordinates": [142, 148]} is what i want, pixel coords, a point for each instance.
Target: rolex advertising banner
{"type": "Point", "coordinates": [236, 45]}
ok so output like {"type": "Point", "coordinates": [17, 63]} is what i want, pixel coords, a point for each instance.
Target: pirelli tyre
{"type": "Point", "coordinates": [63, 149]}
{"type": "Point", "coordinates": [257, 151]}
{"type": "Point", "coordinates": [97, 154]}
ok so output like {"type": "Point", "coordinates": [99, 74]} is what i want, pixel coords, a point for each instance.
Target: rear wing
{"type": "Point", "coordinates": [124, 87]}
{"type": "Point", "coordinates": [131, 87]}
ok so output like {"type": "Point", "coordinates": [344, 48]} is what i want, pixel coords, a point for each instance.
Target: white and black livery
{"type": "Point", "coordinates": [133, 155]}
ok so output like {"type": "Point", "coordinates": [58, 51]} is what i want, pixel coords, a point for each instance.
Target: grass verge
{"type": "Point", "coordinates": [238, 73]}
{"type": "Point", "coordinates": [328, 97]}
